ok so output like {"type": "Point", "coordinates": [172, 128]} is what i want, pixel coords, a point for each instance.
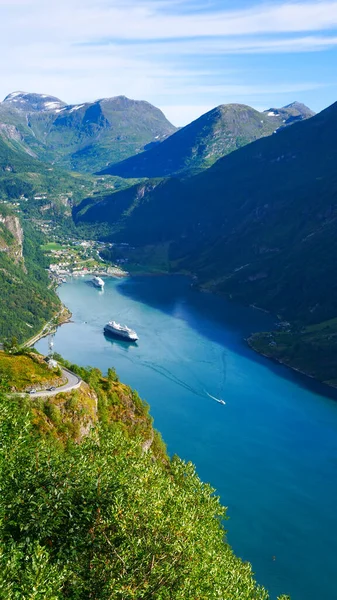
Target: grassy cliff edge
{"type": "Point", "coordinates": [92, 506]}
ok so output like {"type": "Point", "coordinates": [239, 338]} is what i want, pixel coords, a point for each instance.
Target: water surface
{"type": "Point", "coordinates": [271, 452]}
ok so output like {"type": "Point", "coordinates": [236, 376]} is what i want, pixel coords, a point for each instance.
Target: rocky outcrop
{"type": "Point", "coordinates": [12, 133]}
{"type": "Point", "coordinates": [14, 246]}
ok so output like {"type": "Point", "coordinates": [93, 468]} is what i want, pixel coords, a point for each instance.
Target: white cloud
{"type": "Point", "coordinates": [76, 21]}
{"type": "Point", "coordinates": [242, 45]}
{"type": "Point", "coordinates": [147, 21]}
{"type": "Point", "coordinates": [83, 49]}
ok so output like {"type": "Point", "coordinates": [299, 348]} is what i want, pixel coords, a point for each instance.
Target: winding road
{"type": "Point", "coordinates": [73, 383]}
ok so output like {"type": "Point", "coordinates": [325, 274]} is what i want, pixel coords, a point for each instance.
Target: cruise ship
{"type": "Point", "coordinates": [120, 331]}
{"type": "Point", "coordinates": [98, 282]}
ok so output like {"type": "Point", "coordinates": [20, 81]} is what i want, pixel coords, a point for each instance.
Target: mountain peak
{"type": "Point", "coordinates": [295, 111]}
{"type": "Point", "coordinates": [33, 102]}
{"type": "Point", "coordinates": [300, 107]}
{"type": "Point", "coordinates": [122, 102]}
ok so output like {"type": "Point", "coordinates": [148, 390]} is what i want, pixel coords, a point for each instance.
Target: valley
{"type": "Point", "coordinates": [163, 225]}
{"type": "Point", "coordinates": [265, 236]}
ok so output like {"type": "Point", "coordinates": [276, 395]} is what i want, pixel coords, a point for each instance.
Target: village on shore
{"type": "Point", "coordinates": [80, 258]}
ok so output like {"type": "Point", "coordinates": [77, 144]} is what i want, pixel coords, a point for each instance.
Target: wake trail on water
{"type": "Point", "coordinates": [214, 398]}
{"type": "Point", "coordinates": [167, 374]}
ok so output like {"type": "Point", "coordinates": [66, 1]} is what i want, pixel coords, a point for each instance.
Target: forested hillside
{"type": "Point", "coordinates": [22, 175]}
{"type": "Point", "coordinates": [26, 301]}
{"type": "Point", "coordinates": [107, 517]}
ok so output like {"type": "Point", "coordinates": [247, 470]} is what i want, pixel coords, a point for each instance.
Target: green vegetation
{"type": "Point", "coordinates": [148, 259]}
{"type": "Point", "coordinates": [20, 372]}
{"type": "Point", "coordinates": [106, 518]}
{"type": "Point", "coordinates": [21, 175]}
{"type": "Point", "coordinates": [51, 246]}
{"type": "Point", "coordinates": [311, 350]}
{"type": "Point", "coordinates": [34, 197]}
{"type": "Point", "coordinates": [44, 193]}
{"type": "Point", "coordinates": [66, 416]}
{"type": "Point", "coordinates": [201, 143]}
{"type": "Point", "coordinates": [27, 302]}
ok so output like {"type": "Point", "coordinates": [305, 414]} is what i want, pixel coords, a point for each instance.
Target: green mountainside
{"type": "Point", "coordinates": [260, 226]}
{"type": "Point", "coordinates": [92, 507]}
{"type": "Point", "coordinates": [23, 175]}
{"type": "Point", "coordinates": [201, 143]}
{"type": "Point", "coordinates": [26, 302]}
{"type": "Point", "coordinates": [83, 137]}
{"type": "Point", "coordinates": [41, 190]}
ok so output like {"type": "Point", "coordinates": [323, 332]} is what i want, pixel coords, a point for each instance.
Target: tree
{"type": "Point", "coordinates": [11, 345]}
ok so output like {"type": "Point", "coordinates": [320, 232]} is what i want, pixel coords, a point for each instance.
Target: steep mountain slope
{"type": "Point", "coordinates": [82, 137]}
{"type": "Point", "coordinates": [26, 302]}
{"type": "Point", "coordinates": [260, 225]}
{"type": "Point", "coordinates": [202, 142]}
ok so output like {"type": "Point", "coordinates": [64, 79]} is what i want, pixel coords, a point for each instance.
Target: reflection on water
{"type": "Point", "coordinates": [271, 451]}
{"type": "Point", "coordinates": [126, 344]}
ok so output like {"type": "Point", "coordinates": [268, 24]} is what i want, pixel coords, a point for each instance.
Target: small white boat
{"type": "Point", "coordinates": [219, 400]}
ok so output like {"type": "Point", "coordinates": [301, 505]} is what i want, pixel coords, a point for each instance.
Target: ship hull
{"type": "Point", "coordinates": [119, 335]}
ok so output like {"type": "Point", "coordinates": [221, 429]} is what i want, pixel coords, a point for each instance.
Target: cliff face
{"type": "Point", "coordinates": [11, 237]}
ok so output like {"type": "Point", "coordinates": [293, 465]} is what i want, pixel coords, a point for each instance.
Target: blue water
{"type": "Point", "coordinates": [271, 451]}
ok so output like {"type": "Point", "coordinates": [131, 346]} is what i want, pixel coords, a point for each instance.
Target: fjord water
{"type": "Point", "coordinates": [271, 451]}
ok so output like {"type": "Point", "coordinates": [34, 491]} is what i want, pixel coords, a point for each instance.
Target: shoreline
{"type": "Point", "coordinates": [200, 289]}
{"type": "Point", "coordinates": [195, 284]}
{"type": "Point", "coordinates": [288, 366]}
{"type": "Point", "coordinates": [63, 317]}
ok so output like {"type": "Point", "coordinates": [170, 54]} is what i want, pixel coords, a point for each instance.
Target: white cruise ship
{"type": "Point", "coordinates": [120, 331]}
{"type": "Point", "coordinates": [98, 282]}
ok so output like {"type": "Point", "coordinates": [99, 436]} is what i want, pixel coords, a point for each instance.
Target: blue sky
{"type": "Point", "coordinates": [185, 57]}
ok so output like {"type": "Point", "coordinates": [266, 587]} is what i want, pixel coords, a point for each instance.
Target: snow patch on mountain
{"type": "Point", "coordinates": [77, 107]}
{"type": "Point", "coordinates": [52, 105]}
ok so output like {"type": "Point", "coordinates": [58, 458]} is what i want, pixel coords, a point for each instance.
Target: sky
{"type": "Point", "coordinates": [184, 56]}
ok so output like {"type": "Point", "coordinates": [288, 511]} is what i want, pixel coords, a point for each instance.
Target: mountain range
{"type": "Point", "coordinates": [201, 143]}
{"type": "Point", "coordinates": [82, 137]}
{"type": "Point", "coordinates": [132, 138]}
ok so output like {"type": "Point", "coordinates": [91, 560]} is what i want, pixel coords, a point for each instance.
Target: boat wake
{"type": "Point", "coordinates": [216, 399]}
